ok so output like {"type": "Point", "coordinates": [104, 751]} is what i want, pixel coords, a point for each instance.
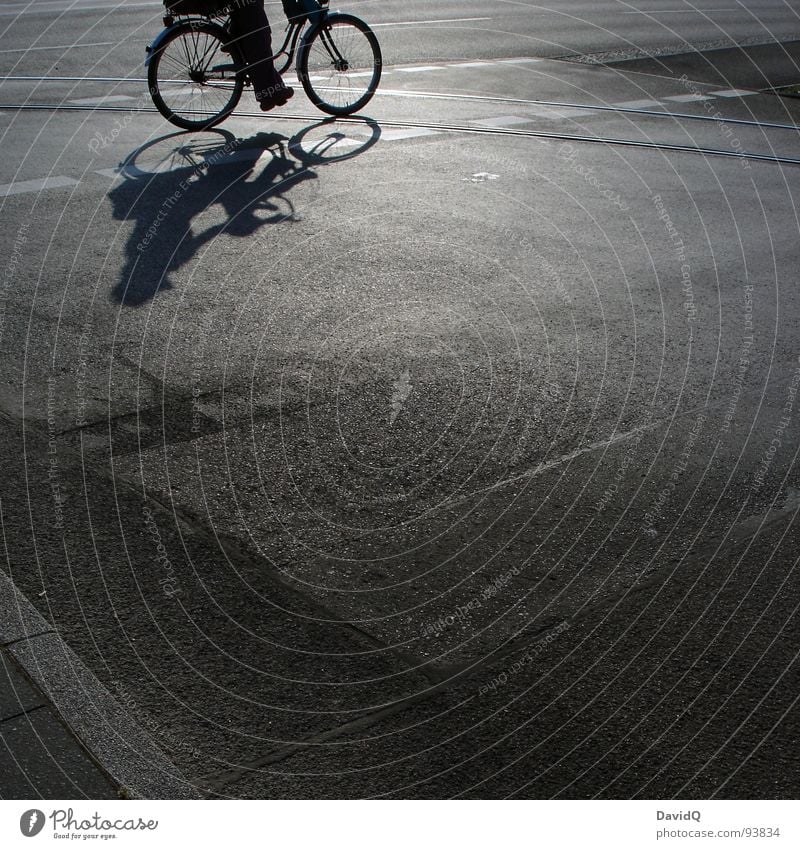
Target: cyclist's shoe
{"type": "Point", "coordinates": [278, 98]}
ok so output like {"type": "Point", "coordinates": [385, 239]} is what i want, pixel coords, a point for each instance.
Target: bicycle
{"type": "Point", "coordinates": [196, 72]}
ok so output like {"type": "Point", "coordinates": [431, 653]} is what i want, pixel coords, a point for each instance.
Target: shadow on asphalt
{"type": "Point", "coordinates": [169, 183]}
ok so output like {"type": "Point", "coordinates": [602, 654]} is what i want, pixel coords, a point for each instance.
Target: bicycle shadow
{"type": "Point", "coordinates": [167, 185]}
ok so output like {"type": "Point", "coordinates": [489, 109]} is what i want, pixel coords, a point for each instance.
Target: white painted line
{"type": "Point", "coordinates": [111, 173]}
{"type": "Point", "coordinates": [343, 141]}
{"type": "Point", "coordinates": [397, 135]}
{"type": "Point", "coordinates": [517, 61]}
{"type": "Point", "coordinates": [687, 98]}
{"type": "Point", "coordinates": [637, 104]}
{"type": "Point", "coordinates": [471, 64]}
{"type": "Point", "coordinates": [24, 186]}
{"type": "Point", "coordinates": [251, 156]}
{"type": "Point", "coordinates": [503, 121]}
{"type": "Point", "coordinates": [437, 21]}
{"type": "Point", "coordinates": [733, 92]}
{"type": "Point", "coordinates": [134, 173]}
{"type": "Point", "coordinates": [552, 113]}
{"type": "Point", "coordinates": [97, 101]}
{"type": "Point", "coordinates": [60, 47]}
{"type": "Point", "coordinates": [71, 5]}
{"type": "Point", "coordinates": [420, 68]}
{"type": "Point", "coordinates": [679, 11]}
{"type": "Point", "coordinates": [18, 9]}
{"type": "Point", "coordinates": [481, 177]}
{"type": "Point", "coordinates": [182, 91]}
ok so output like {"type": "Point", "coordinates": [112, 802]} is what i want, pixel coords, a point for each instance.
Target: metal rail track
{"type": "Point", "coordinates": [608, 141]}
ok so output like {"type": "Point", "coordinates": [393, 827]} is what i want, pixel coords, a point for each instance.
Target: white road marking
{"type": "Point", "coordinates": [420, 68]}
{"type": "Point", "coordinates": [411, 133]}
{"type": "Point", "coordinates": [678, 11]}
{"type": "Point", "coordinates": [503, 121]}
{"type": "Point", "coordinates": [24, 186]}
{"type": "Point", "coordinates": [437, 21]}
{"type": "Point", "coordinates": [481, 177]}
{"type": "Point", "coordinates": [687, 98]}
{"type": "Point", "coordinates": [60, 47]}
{"type": "Point", "coordinates": [37, 9]}
{"type": "Point", "coordinates": [330, 143]}
{"type": "Point", "coordinates": [517, 61]}
{"type": "Point", "coordinates": [111, 173]}
{"type": "Point", "coordinates": [637, 104]}
{"type": "Point", "coordinates": [470, 64]}
{"type": "Point", "coordinates": [252, 156]}
{"type": "Point", "coordinates": [554, 112]}
{"type": "Point", "coordinates": [733, 92]}
{"type": "Point", "coordinates": [16, 9]}
{"type": "Point", "coordinates": [98, 101]}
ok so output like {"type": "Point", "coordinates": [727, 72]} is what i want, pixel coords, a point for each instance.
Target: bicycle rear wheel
{"type": "Point", "coordinates": [339, 64]}
{"type": "Point", "coordinates": [191, 79]}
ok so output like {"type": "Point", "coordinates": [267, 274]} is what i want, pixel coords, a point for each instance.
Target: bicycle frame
{"type": "Point", "coordinates": [199, 86]}
{"type": "Point", "coordinates": [290, 41]}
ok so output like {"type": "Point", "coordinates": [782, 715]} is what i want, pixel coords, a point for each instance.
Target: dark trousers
{"type": "Point", "coordinates": [250, 28]}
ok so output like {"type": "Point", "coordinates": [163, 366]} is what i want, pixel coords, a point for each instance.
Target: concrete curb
{"type": "Point", "coordinates": [127, 754]}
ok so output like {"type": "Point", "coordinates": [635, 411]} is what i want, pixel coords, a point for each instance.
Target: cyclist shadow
{"type": "Point", "coordinates": [167, 186]}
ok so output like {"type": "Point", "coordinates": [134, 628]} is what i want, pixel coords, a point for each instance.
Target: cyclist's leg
{"type": "Point", "coordinates": [250, 28]}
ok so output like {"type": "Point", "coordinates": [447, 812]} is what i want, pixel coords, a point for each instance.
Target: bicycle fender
{"type": "Point", "coordinates": [151, 48]}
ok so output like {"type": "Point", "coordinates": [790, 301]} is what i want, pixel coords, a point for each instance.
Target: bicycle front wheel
{"type": "Point", "coordinates": [339, 64]}
{"type": "Point", "coordinates": [192, 79]}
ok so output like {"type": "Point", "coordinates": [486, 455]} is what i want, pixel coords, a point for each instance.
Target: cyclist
{"type": "Point", "coordinates": [250, 27]}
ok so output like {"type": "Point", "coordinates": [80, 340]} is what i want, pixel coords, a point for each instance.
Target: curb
{"type": "Point", "coordinates": [120, 747]}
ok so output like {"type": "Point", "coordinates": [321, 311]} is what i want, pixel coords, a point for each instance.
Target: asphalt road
{"type": "Point", "coordinates": [35, 35]}
{"type": "Point", "coordinates": [406, 459]}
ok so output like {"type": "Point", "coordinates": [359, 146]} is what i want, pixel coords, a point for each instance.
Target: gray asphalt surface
{"type": "Point", "coordinates": [410, 462]}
